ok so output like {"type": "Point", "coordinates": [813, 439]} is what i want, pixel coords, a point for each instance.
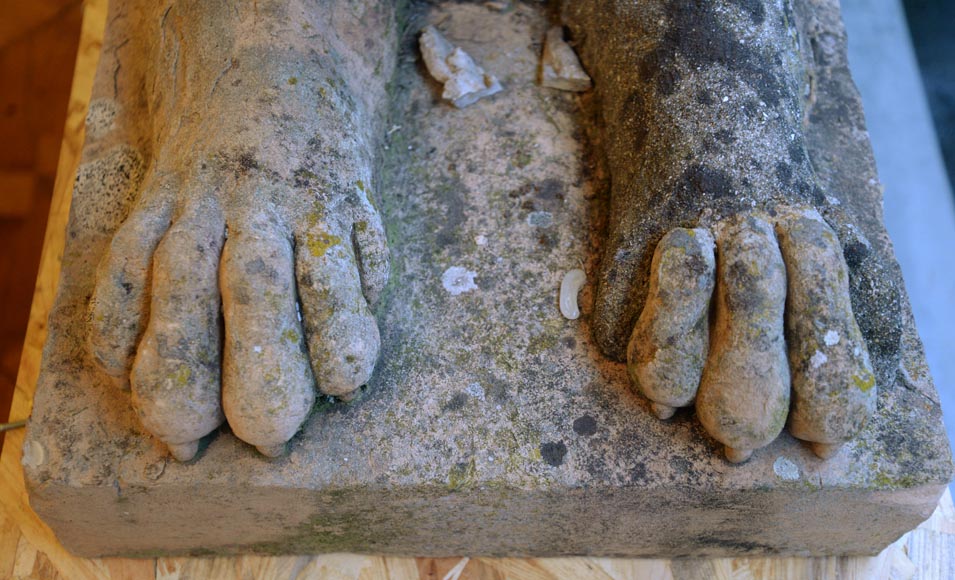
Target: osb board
{"type": "Point", "coordinates": [28, 549]}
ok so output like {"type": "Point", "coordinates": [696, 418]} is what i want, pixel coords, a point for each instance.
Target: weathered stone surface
{"type": "Point", "coordinates": [492, 424]}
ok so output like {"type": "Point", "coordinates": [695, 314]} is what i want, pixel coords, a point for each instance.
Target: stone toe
{"type": "Point", "coordinates": [343, 338]}
{"type": "Point", "coordinates": [268, 389]}
{"type": "Point", "coordinates": [371, 245]}
{"type": "Point", "coordinates": [669, 343]}
{"type": "Point", "coordinates": [175, 378]}
{"type": "Point", "coordinates": [744, 394]}
{"type": "Point", "coordinates": [120, 300]}
{"type": "Point", "coordinates": [833, 386]}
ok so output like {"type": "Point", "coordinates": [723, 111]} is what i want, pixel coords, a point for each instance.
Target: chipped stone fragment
{"type": "Point", "coordinates": [834, 390]}
{"type": "Point", "coordinates": [560, 67]}
{"type": "Point", "coordinates": [570, 286]}
{"type": "Point", "coordinates": [744, 395]}
{"type": "Point", "coordinates": [464, 81]}
{"type": "Point", "coordinates": [34, 454]}
{"type": "Point", "coordinates": [669, 343]}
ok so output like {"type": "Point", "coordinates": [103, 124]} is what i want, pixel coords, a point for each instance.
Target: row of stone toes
{"type": "Point", "coordinates": [155, 314]}
{"type": "Point", "coordinates": [758, 334]}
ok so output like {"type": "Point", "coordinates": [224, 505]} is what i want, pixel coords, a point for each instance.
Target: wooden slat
{"type": "Point", "coordinates": [28, 548]}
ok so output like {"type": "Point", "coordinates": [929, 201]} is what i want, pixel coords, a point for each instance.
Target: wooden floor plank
{"type": "Point", "coordinates": [9, 541]}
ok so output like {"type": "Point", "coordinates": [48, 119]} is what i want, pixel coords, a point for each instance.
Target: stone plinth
{"type": "Point", "coordinates": [492, 425]}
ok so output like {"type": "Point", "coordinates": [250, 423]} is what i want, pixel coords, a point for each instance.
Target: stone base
{"type": "Point", "coordinates": [492, 425]}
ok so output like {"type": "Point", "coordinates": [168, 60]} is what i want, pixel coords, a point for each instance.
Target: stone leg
{"type": "Point", "coordinates": [242, 278]}
{"type": "Point", "coordinates": [702, 110]}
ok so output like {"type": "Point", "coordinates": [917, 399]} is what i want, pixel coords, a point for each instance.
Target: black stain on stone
{"type": "Point", "coordinates": [496, 389]}
{"type": "Point", "coordinates": [634, 121]}
{"type": "Point", "coordinates": [302, 177]}
{"type": "Point", "coordinates": [453, 192]}
{"type": "Point", "coordinates": [667, 80]}
{"type": "Point", "coordinates": [725, 137]}
{"type": "Point", "coordinates": [796, 153]}
{"type": "Point", "coordinates": [855, 253]}
{"type": "Point", "coordinates": [585, 425]}
{"type": "Point", "coordinates": [699, 180]}
{"type": "Point", "coordinates": [784, 172]}
{"type": "Point", "coordinates": [681, 465]}
{"type": "Point", "coordinates": [551, 190]}
{"type": "Point", "coordinates": [802, 188]}
{"type": "Point", "coordinates": [697, 34]}
{"type": "Point", "coordinates": [745, 296]}
{"type": "Point", "coordinates": [753, 8]}
{"type": "Point", "coordinates": [256, 266]}
{"type": "Point", "coordinates": [547, 240]}
{"type": "Point", "coordinates": [730, 545]}
{"type": "Point", "coordinates": [457, 402]}
{"type": "Point", "coordinates": [247, 162]}
{"type": "Point", "coordinates": [553, 453]}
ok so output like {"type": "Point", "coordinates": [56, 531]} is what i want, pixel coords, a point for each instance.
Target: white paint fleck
{"type": "Point", "coordinates": [475, 390]}
{"type": "Point", "coordinates": [818, 359]}
{"type": "Point", "coordinates": [831, 338]}
{"type": "Point", "coordinates": [481, 240]}
{"type": "Point", "coordinates": [786, 469]}
{"type": "Point", "coordinates": [257, 349]}
{"type": "Point", "coordinates": [457, 280]}
{"type": "Point", "coordinates": [540, 219]}
{"type": "Point", "coordinates": [725, 98]}
{"type": "Point", "coordinates": [569, 288]}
